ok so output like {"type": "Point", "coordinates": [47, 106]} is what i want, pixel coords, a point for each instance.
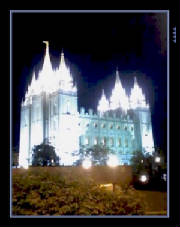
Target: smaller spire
{"type": "Point", "coordinates": [117, 76]}
{"type": "Point", "coordinates": [62, 57]}
{"type": "Point", "coordinates": [135, 80]}
{"type": "Point", "coordinates": [103, 92]}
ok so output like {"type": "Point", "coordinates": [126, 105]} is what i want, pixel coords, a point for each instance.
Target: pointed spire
{"type": "Point", "coordinates": [62, 61]}
{"type": "Point", "coordinates": [135, 80]}
{"type": "Point", "coordinates": [47, 62]}
{"type": "Point", "coordinates": [137, 98]}
{"type": "Point", "coordinates": [117, 77]}
{"type": "Point", "coordinates": [103, 92]}
{"type": "Point", "coordinates": [119, 97]}
{"type": "Point", "coordinates": [103, 104]}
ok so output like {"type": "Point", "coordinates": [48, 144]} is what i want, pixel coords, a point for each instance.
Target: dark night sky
{"type": "Point", "coordinates": [94, 45]}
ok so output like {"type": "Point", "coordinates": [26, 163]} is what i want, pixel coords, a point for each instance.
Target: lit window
{"type": "Point", "coordinates": [95, 141]}
{"type": "Point", "coordinates": [103, 141]}
{"type": "Point", "coordinates": [86, 141]}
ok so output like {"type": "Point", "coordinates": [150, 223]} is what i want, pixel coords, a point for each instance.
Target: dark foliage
{"type": "Point", "coordinates": [40, 191]}
{"type": "Point", "coordinates": [98, 154]}
{"type": "Point", "coordinates": [44, 155]}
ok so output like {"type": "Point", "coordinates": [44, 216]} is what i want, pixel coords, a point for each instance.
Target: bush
{"type": "Point", "coordinates": [39, 191]}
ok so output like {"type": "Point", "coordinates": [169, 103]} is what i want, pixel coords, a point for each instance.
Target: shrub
{"type": "Point", "coordinates": [39, 191]}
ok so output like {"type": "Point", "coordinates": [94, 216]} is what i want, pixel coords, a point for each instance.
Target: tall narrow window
{"type": "Point", "coordinates": [119, 142]}
{"type": "Point", "coordinates": [86, 141]}
{"type": "Point", "coordinates": [111, 141]}
{"type": "Point", "coordinates": [95, 141]}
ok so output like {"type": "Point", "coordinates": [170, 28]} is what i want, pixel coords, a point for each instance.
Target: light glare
{"type": "Point", "coordinates": [143, 178]}
{"type": "Point", "coordinates": [86, 164]}
{"type": "Point", "coordinates": [112, 161]}
{"type": "Point", "coordinates": [157, 159]}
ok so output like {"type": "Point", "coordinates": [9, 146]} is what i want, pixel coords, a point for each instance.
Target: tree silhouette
{"type": "Point", "coordinates": [98, 154]}
{"type": "Point", "coordinates": [44, 155]}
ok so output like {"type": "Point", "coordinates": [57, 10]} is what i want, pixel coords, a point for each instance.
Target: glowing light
{"type": "Point", "coordinates": [86, 164]}
{"type": "Point", "coordinates": [112, 161]}
{"type": "Point", "coordinates": [143, 178]}
{"type": "Point", "coordinates": [137, 98]}
{"type": "Point", "coordinates": [157, 159]}
{"type": "Point", "coordinates": [119, 99]}
{"type": "Point", "coordinates": [67, 139]}
{"type": "Point", "coordinates": [107, 186]}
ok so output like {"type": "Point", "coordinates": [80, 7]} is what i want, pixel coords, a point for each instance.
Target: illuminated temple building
{"type": "Point", "coordinates": [50, 111]}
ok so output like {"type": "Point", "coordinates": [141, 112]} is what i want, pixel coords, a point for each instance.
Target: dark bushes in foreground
{"type": "Point", "coordinates": [42, 192]}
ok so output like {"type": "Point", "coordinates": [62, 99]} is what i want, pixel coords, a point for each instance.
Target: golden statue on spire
{"type": "Point", "coordinates": [46, 42]}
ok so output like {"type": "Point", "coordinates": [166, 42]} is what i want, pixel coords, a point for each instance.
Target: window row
{"type": "Point", "coordinates": [104, 141]}
{"type": "Point", "coordinates": [111, 126]}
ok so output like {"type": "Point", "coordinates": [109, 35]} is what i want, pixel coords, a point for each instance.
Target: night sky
{"type": "Point", "coordinates": [94, 46]}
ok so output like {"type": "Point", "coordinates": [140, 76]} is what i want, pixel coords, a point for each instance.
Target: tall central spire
{"type": "Point", "coordinates": [47, 62]}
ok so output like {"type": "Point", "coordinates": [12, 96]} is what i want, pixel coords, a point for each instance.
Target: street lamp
{"type": "Point", "coordinates": [143, 178]}
{"type": "Point", "coordinates": [157, 159]}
